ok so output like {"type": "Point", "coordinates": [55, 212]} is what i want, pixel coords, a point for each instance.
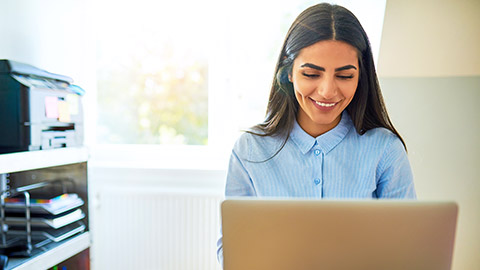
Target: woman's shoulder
{"type": "Point", "coordinates": [382, 138]}
{"type": "Point", "coordinates": [253, 139]}
{"type": "Point", "coordinates": [375, 135]}
{"type": "Point", "coordinates": [380, 133]}
{"type": "Point", "coordinates": [253, 143]}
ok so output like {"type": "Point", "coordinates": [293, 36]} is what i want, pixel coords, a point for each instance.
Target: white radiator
{"type": "Point", "coordinates": [155, 228]}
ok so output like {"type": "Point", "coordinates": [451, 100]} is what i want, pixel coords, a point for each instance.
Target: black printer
{"type": "Point", "coordinates": [38, 109]}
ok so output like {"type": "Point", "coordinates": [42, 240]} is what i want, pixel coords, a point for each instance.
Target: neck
{"type": "Point", "coordinates": [315, 129]}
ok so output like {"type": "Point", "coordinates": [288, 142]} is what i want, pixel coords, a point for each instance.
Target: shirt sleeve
{"type": "Point", "coordinates": [238, 182]}
{"type": "Point", "coordinates": [395, 174]}
{"type": "Point", "coordinates": [220, 251]}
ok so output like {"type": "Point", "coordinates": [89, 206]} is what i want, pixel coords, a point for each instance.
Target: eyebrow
{"type": "Point", "coordinates": [323, 69]}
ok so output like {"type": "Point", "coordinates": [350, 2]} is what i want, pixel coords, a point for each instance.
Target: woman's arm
{"type": "Point", "coordinates": [395, 174]}
{"type": "Point", "coordinates": [238, 182]}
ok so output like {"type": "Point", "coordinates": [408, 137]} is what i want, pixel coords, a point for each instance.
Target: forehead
{"type": "Point", "coordinates": [328, 53]}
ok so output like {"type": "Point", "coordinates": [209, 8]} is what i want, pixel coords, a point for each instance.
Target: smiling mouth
{"type": "Point", "coordinates": [327, 105]}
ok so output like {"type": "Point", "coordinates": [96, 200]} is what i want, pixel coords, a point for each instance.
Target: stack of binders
{"type": "Point", "coordinates": [51, 220]}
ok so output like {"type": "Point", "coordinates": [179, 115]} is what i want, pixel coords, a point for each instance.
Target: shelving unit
{"type": "Point", "coordinates": [57, 252]}
{"type": "Point", "coordinates": [27, 168]}
{"type": "Point", "coordinates": [23, 161]}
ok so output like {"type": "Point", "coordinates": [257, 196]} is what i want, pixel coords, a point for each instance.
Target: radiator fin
{"type": "Point", "coordinates": [156, 229]}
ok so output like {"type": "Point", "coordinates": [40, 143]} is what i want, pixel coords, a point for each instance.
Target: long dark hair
{"type": "Point", "coordinates": [325, 22]}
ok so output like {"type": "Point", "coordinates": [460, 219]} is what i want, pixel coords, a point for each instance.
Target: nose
{"type": "Point", "coordinates": [327, 88]}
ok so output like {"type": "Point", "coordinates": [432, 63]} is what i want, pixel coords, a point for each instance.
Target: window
{"type": "Point", "coordinates": [194, 72]}
{"type": "Point", "coordinates": [152, 73]}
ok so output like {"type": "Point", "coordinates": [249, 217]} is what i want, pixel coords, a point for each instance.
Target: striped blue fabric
{"type": "Point", "coordinates": [340, 164]}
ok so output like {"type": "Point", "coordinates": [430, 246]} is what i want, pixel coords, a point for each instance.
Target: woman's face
{"type": "Point", "coordinates": [325, 78]}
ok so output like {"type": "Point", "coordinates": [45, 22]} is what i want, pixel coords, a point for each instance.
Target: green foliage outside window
{"type": "Point", "coordinates": [153, 97]}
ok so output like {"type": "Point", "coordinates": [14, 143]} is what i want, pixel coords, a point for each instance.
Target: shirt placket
{"type": "Point", "coordinates": [318, 175]}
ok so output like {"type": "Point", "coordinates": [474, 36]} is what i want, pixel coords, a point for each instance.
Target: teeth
{"type": "Point", "coordinates": [325, 104]}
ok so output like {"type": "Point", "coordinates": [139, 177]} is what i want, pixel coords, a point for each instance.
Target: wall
{"type": "Point", "coordinates": [429, 68]}
{"type": "Point", "coordinates": [430, 38]}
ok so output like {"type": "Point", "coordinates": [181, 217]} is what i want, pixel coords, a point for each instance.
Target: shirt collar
{"type": "Point", "coordinates": [327, 141]}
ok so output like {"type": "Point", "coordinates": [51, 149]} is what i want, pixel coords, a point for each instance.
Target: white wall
{"type": "Point", "coordinates": [429, 67]}
{"type": "Point", "coordinates": [430, 38]}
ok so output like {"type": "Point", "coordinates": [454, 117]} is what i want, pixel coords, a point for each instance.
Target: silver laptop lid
{"type": "Point", "coordinates": [317, 234]}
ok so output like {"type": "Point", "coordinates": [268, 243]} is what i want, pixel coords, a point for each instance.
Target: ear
{"type": "Point", "coordinates": [290, 77]}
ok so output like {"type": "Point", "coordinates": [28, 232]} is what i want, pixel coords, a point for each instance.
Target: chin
{"type": "Point", "coordinates": [325, 119]}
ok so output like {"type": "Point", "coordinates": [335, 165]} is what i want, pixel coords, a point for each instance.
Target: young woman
{"type": "Point", "coordinates": [327, 133]}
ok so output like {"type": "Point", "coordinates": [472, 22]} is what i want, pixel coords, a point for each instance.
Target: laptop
{"type": "Point", "coordinates": [288, 234]}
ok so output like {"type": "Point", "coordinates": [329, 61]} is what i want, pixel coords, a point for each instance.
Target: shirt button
{"type": "Point", "coordinates": [317, 181]}
{"type": "Point", "coordinates": [316, 152]}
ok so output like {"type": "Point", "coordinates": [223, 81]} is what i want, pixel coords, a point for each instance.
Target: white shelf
{"type": "Point", "coordinates": [53, 256]}
{"type": "Point", "coordinates": [31, 160]}
{"type": "Point", "coordinates": [55, 253]}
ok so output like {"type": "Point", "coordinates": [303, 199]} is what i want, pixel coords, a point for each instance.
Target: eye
{"type": "Point", "coordinates": [310, 75]}
{"type": "Point", "coordinates": [342, 77]}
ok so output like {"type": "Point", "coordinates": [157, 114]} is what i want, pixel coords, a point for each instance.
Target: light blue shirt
{"type": "Point", "coordinates": [337, 164]}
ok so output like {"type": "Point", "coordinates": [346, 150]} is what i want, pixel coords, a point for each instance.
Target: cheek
{"type": "Point", "coordinates": [348, 90]}
{"type": "Point", "coordinates": [303, 87]}
{"type": "Point", "coordinates": [351, 92]}
{"type": "Point", "coordinates": [299, 98]}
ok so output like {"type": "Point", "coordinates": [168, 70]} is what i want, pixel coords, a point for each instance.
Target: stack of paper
{"type": "Point", "coordinates": [53, 206]}
{"type": "Point", "coordinates": [51, 219]}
